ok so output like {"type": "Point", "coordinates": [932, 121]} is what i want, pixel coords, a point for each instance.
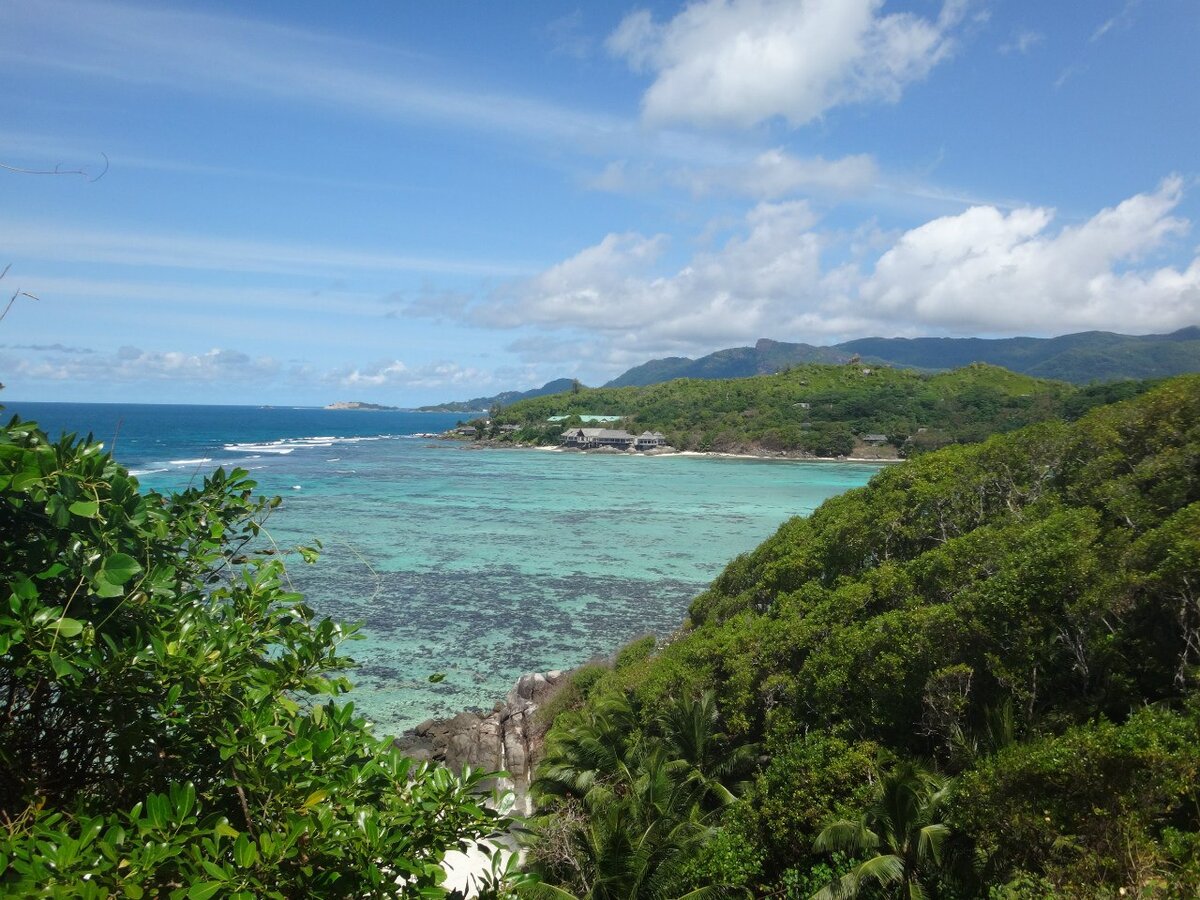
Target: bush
{"type": "Point", "coordinates": [169, 725]}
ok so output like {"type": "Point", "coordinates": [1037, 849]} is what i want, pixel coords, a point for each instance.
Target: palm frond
{"type": "Point", "coordinates": [929, 843]}
{"type": "Point", "coordinates": [846, 835]}
{"type": "Point", "coordinates": [883, 869]}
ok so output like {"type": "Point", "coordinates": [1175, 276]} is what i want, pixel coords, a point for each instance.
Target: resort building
{"type": "Point", "coordinates": [592, 438]}
{"type": "Point", "coordinates": [649, 440]}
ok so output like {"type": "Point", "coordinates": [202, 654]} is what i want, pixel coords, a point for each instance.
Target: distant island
{"type": "Point", "coordinates": [358, 404]}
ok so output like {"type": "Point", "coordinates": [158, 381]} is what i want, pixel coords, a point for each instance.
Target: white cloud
{"type": "Point", "coordinates": [988, 271]}
{"type": "Point", "coordinates": [776, 173]}
{"type": "Point", "coordinates": [394, 373]}
{"type": "Point", "coordinates": [203, 52]}
{"type": "Point", "coordinates": [732, 293]}
{"type": "Point", "coordinates": [740, 62]}
{"type": "Point", "coordinates": [131, 365]}
{"type": "Point", "coordinates": [1121, 21]}
{"type": "Point", "coordinates": [983, 271]}
{"type": "Point", "coordinates": [1022, 42]}
{"type": "Point", "coordinates": [60, 243]}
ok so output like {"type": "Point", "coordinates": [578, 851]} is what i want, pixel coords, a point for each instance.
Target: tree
{"type": "Point", "coordinates": [635, 807]}
{"type": "Point", "coordinates": [899, 832]}
{"type": "Point", "coordinates": [169, 725]}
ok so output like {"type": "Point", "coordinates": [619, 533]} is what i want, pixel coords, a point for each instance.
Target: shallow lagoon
{"type": "Point", "coordinates": [480, 564]}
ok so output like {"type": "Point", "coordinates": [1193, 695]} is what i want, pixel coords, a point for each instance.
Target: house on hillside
{"type": "Point", "coordinates": [874, 439]}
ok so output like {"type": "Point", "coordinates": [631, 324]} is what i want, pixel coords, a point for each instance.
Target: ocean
{"type": "Point", "coordinates": [477, 563]}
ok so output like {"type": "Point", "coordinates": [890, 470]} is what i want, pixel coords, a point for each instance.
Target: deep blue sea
{"type": "Point", "coordinates": [479, 563]}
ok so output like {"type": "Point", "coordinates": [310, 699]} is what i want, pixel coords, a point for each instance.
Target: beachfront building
{"type": "Point", "coordinates": [591, 438]}
{"type": "Point", "coordinates": [874, 439]}
{"type": "Point", "coordinates": [618, 439]}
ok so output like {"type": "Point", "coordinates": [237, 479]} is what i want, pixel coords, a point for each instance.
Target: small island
{"type": "Point", "coordinates": [358, 404]}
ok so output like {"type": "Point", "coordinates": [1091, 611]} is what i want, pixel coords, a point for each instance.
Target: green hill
{"type": "Point", "coordinates": [995, 646]}
{"type": "Point", "coordinates": [818, 408]}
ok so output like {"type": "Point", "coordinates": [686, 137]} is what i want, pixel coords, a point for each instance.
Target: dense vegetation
{"type": "Point", "coordinates": [1080, 358]}
{"type": "Point", "coordinates": [975, 677]}
{"type": "Point", "coordinates": [168, 726]}
{"type": "Point", "coordinates": [820, 409]}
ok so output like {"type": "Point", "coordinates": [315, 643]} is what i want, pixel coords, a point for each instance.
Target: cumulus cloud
{"type": "Point", "coordinates": [982, 271]}
{"type": "Point", "coordinates": [991, 271]}
{"type": "Point", "coordinates": [394, 373]}
{"type": "Point", "coordinates": [611, 287]}
{"type": "Point", "coordinates": [129, 365]}
{"type": "Point", "coordinates": [740, 62]}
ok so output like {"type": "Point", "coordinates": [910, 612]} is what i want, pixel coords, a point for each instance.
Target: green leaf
{"type": "Point", "coordinates": [105, 588]}
{"type": "Point", "coordinates": [133, 891]}
{"type": "Point", "coordinates": [245, 853]}
{"type": "Point", "coordinates": [68, 627]}
{"type": "Point", "coordinates": [87, 509]}
{"type": "Point", "coordinates": [203, 890]}
{"type": "Point", "coordinates": [224, 829]}
{"type": "Point", "coordinates": [25, 479]}
{"type": "Point", "coordinates": [314, 798]}
{"type": "Point", "coordinates": [118, 568]}
{"type": "Point", "coordinates": [61, 667]}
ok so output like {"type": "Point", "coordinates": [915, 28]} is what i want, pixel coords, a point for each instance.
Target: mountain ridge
{"type": "Point", "coordinates": [1080, 358]}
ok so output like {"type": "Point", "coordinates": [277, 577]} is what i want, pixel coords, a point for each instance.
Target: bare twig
{"type": "Point", "coordinates": [59, 170]}
{"type": "Point", "coordinates": [16, 294]}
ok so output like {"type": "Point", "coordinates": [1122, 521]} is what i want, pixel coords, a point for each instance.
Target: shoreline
{"type": "Point", "coordinates": [764, 456]}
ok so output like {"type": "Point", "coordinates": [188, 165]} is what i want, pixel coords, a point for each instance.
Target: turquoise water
{"type": "Point", "coordinates": [477, 563]}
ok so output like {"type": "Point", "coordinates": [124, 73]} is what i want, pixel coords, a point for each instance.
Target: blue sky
{"type": "Point", "coordinates": [405, 203]}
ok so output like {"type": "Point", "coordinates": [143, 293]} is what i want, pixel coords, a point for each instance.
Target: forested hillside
{"type": "Point", "coordinates": [975, 677]}
{"type": "Point", "coordinates": [821, 408]}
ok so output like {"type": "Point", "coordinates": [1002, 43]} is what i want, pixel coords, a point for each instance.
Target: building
{"type": "Point", "coordinates": [507, 429]}
{"type": "Point", "coordinates": [592, 438]}
{"type": "Point", "coordinates": [588, 418]}
{"type": "Point", "coordinates": [874, 439]}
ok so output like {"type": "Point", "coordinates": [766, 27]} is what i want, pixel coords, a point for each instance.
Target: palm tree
{"type": "Point", "coordinates": [642, 801]}
{"type": "Point", "coordinates": [689, 729]}
{"type": "Point", "coordinates": [899, 830]}
{"type": "Point", "coordinates": [587, 751]}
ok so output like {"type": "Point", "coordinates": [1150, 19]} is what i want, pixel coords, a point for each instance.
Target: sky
{"type": "Point", "coordinates": [405, 203]}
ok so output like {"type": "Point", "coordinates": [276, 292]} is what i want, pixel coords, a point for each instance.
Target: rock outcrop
{"type": "Point", "coordinates": [507, 739]}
